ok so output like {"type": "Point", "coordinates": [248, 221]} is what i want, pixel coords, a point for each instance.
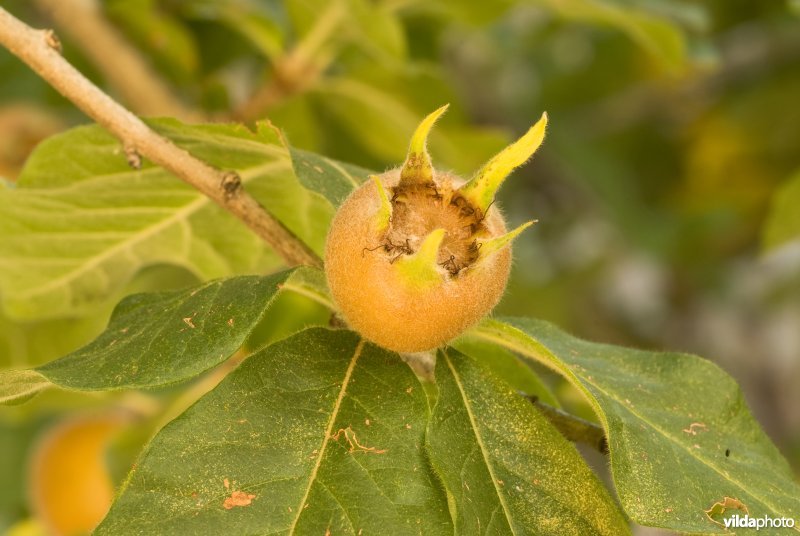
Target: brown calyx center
{"type": "Point", "coordinates": [419, 209]}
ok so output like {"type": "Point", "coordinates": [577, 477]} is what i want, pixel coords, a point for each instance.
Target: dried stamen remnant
{"type": "Point", "coordinates": [419, 209]}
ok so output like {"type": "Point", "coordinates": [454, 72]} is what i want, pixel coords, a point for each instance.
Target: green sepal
{"type": "Point", "coordinates": [420, 269]}
{"type": "Point", "coordinates": [384, 214]}
{"type": "Point", "coordinates": [417, 168]}
{"type": "Point", "coordinates": [492, 245]}
{"type": "Point", "coordinates": [482, 188]}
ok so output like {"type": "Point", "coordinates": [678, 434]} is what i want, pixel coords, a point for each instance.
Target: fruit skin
{"type": "Point", "coordinates": [414, 256]}
{"type": "Point", "coordinates": [383, 305]}
{"type": "Point", "coordinates": [69, 483]}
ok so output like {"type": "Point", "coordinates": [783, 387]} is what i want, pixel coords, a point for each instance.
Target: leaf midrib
{"type": "Point", "coordinates": [690, 453]}
{"type": "Point", "coordinates": [553, 362]}
{"type": "Point", "coordinates": [135, 238]}
{"type": "Point", "coordinates": [335, 165]}
{"type": "Point", "coordinates": [328, 432]}
{"type": "Point", "coordinates": [479, 440]}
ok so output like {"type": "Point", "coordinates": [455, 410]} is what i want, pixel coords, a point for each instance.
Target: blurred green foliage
{"type": "Point", "coordinates": [667, 215]}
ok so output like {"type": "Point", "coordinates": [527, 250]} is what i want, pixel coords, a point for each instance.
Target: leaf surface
{"type": "Point", "coordinates": [81, 222]}
{"type": "Point", "coordinates": [506, 468]}
{"type": "Point", "coordinates": [317, 433]}
{"type": "Point", "coordinates": [157, 339]}
{"type": "Point", "coordinates": [680, 435]}
{"type": "Point", "coordinates": [18, 386]}
{"type": "Point", "coordinates": [656, 34]}
{"type": "Point", "coordinates": [333, 180]}
{"type": "Point", "coordinates": [509, 367]}
{"type": "Point", "coordinates": [783, 221]}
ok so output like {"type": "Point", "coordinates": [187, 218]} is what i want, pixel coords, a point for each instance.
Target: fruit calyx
{"type": "Point", "coordinates": [419, 201]}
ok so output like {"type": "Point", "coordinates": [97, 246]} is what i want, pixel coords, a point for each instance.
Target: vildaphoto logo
{"type": "Point", "coordinates": [747, 522]}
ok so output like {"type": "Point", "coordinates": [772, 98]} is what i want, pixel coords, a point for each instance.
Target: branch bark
{"type": "Point", "coordinates": [39, 49]}
{"type": "Point", "coordinates": [121, 65]}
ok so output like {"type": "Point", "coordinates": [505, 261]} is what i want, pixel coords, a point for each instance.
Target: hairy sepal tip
{"type": "Point", "coordinates": [418, 168]}
{"type": "Point", "coordinates": [482, 188]}
{"type": "Point", "coordinates": [491, 246]}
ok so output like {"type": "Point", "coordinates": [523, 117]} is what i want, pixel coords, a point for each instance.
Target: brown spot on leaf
{"type": "Point", "coordinates": [719, 508]}
{"type": "Point", "coordinates": [188, 322]}
{"type": "Point", "coordinates": [226, 483]}
{"type": "Point", "coordinates": [230, 322]}
{"type": "Point", "coordinates": [694, 427]}
{"type": "Point", "coordinates": [352, 440]}
{"type": "Point", "coordinates": [238, 498]}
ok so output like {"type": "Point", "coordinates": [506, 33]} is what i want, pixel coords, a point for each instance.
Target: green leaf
{"type": "Point", "coordinates": [257, 28]}
{"type": "Point", "coordinates": [253, 20]}
{"type": "Point", "coordinates": [17, 438]}
{"type": "Point", "coordinates": [319, 432]}
{"type": "Point", "coordinates": [304, 301]}
{"type": "Point", "coordinates": [18, 386]}
{"type": "Point", "coordinates": [655, 33]}
{"type": "Point", "coordinates": [377, 119]}
{"type": "Point", "coordinates": [157, 339]}
{"type": "Point", "coordinates": [377, 30]}
{"type": "Point", "coordinates": [679, 432]}
{"type": "Point", "coordinates": [507, 470]}
{"type": "Point", "coordinates": [233, 146]}
{"type": "Point", "coordinates": [507, 366]}
{"type": "Point", "coordinates": [369, 111]}
{"type": "Point", "coordinates": [28, 344]}
{"type": "Point", "coordinates": [332, 179]}
{"type": "Point", "coordinates": [168, 43]}
{"type": "Point", "coordinates": [783, 221]}
{"type": "Point", "coordinates": [311, 283]}
{"type": "Point", "coordinates": [659, 36]}
{"type": "Point", "coordinates": [81, 222]}
{"type": "Point", "coordinates": [469, 11]}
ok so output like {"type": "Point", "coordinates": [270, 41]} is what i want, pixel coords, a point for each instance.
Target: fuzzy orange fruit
{"type": "Point", "coordinates": [415, 256]}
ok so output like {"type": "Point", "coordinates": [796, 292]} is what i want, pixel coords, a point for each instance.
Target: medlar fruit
{"type": "Point", "coordinates": [415, 256]}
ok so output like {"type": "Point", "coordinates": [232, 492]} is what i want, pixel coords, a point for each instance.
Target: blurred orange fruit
{"type": "Point", "coordinates": [70, 487]}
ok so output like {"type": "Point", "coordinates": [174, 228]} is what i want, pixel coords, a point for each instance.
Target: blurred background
{"type": "Point", "coordinates": [667, 190]}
